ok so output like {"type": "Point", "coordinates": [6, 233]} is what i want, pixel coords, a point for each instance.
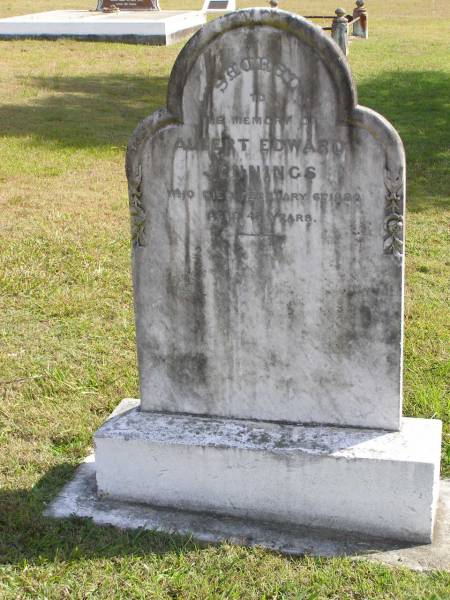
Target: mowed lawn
{"type": "Point", "coordinates": [67, 349]}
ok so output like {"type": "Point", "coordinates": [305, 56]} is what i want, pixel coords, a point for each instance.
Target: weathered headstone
{"type": "Point", "coordinates": [267, 211]}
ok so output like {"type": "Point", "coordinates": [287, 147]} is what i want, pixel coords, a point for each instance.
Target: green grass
{"type": "Point", "coordinates": [67, 332]}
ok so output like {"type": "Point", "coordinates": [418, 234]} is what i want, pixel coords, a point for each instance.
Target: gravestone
{"type": "Point", "coordinates": [268, 263]}
{"type": "Point", "coordinates": [128, 5]}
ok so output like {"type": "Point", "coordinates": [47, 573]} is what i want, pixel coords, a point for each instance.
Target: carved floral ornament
{"type": "Point", "coordinates": [393, 222]}
{"type": "Point", "coordinates": [137, 210]}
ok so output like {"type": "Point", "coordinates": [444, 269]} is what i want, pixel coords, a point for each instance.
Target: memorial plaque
{"type": "Point", "coordinates": [267, 215]}
{"type": "Point", "coordinates": [210, 6]}
{"type": "Point", "coordinates": [130, 4]}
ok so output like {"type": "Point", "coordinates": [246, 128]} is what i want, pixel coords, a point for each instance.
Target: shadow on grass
{"type": "Point", "coordinates": [417, 104]}
{"type": "Point", "coordinates": [84, 112]}
{"type": "Point", "coordinates": [26, 535]}
{"type": "Point", "coordinates": [101, 111]}
{"type": "Point", "coordinates": [29, 537]}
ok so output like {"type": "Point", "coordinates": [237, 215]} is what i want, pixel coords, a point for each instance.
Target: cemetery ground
{"type": "Point", "coordinates": [68, 349]}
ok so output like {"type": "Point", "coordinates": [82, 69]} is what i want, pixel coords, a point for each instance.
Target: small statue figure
{"type": "Point", "coordinates": [360, 28]}
{"type": "Point", "coordinates": [339, 30]}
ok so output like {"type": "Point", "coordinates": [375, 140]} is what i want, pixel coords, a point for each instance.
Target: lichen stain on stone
{"type": "Point", "coordinates": [290, 308]}
{"type": "Point", "coordinates": [259, 437]}
{"type": "Point", "coordinates": [187, 370]}
{"type": "Point", "coordinates": [187, 241]}
{"type": "Point", "coordinates": [365, 316]}
{"type": "Point", "coordinates": [199, 298]}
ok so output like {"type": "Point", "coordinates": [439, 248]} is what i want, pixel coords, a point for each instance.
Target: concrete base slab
{"type": "Point", "coordinates": [140, 27]}
{"type": "Point", "coordinates": [372, 482]}
{"type": "Point", "coordinates": [79, 498]}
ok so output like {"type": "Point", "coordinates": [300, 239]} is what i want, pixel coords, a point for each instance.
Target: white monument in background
{"type": "Point", "coordinates": [130, 21]}
{"type": "Point", "coordinates": [268, 258]}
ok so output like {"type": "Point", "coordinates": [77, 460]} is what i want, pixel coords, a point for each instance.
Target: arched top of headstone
{"type": "Point", "coordinates": [308, 34]}
{"type": "Point", "coordinates": [289, 24]}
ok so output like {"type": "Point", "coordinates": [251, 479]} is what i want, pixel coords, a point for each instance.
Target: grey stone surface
{"type": "Point", "coordinates": [370, 481]}
{"type": "Point", "coordinates": [79, 498]}
{"type": "Point", "coordinates": [127, 5]}
{"type": "Point", "coordinates": [267, 213]}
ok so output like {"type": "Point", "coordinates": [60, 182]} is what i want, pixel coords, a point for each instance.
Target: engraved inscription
{"type": "Point", "coordinates": [259, 173]}
{"type": "Point", "coordinates": [236, 218]}
{"type": "Point", "coordinates": [226, 145]}
{"type": "Point", "coordinates": [257, 63]}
